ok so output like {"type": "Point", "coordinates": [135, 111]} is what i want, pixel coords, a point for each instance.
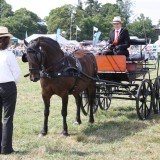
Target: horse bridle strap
{"type": "Point", "coordinates": [40, 56]}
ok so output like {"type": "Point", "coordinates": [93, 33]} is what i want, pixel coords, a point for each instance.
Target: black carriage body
{"type": "Point", "coordinates": [122, 78]}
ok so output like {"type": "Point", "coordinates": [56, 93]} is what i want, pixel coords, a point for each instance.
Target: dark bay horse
{"type": "Point", "coordinates": [61, 74]}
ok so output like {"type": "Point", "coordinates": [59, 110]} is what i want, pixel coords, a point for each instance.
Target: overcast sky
{"type": "Point", "coordinates": [150, 8]}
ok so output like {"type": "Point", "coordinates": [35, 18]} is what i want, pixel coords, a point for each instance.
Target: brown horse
{"type": "Point", "coordinates": [61, 74]}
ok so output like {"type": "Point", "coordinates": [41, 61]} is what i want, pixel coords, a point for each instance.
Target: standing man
{"type": "Point", "coordinates": [119, 39]}
{"type": "Point", "coordinates": [9, 76]}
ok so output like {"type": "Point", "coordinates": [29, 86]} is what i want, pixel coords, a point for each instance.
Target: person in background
{"type": "Point", "coordinates": [119, 40]}
{"type": "Point", "coordinates": [9, 76]}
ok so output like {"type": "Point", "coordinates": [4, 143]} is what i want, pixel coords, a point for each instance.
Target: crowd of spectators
{"type": "Point", "coordinates": [18, 49]}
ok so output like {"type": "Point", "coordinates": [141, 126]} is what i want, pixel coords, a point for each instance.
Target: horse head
{"type": "Point", "coordinates": [43, 54]}
{"type": "Point", "coordinates": [34, 59]}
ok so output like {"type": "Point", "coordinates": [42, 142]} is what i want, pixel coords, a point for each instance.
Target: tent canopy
{"type": "Point", "coordinates": [74, 43]}
{"type": "Point", "coordinates": [61, 40]}
{"type": "Point", "coordinates": [16, 40]}
{"type": "Point", "coordinates": [157, 42]}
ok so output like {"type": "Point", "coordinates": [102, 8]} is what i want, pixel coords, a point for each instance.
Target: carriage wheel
{"type": "Point", "coordinates": [85, 104]}
{"type": "Point", "coordinates": [144, 100]}
{"type": "Point", "coordinates": [156, 106]}
{"type": "Point", "coordinates": [104, 99]}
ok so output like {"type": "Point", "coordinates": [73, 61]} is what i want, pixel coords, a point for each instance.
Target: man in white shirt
{"type": "Point", "coordinates": [9, 76]}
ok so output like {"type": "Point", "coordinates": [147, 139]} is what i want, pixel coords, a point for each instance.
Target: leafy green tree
{"type": "Point", "coordinates": [142, 27]}
{"type": "Point", "coordinates": [80, 5]}
{"type": "Point", "coordinates": [93, 7]}
{"type": "Point", "coordinates": [87, 29]}
{"type": "Point", "coordinates": [125, 9]}
{"type": "Point", "coordinates": [110, 10]}
{"type": "Point", "coordinates": [22, 21]}
{"type": "Point", "coordinates": [5, 9]}
{"type": "Point", "coordinates": [61, 18]}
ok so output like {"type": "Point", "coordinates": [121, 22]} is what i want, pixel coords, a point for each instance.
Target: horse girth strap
{"type": "Point", "coordinates": [59, 74]}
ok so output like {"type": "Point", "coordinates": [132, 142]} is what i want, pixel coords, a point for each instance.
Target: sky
{"type": "Point", "coordinates": [150, 8]}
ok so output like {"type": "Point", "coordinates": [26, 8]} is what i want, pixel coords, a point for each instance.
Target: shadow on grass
{"type": "Point", "coordinates": [21, 152]}
{"type": "Point", "coordinates": [128, 112]}
{"type": "Point", "coordinates": [78, 153]}
{"type": "Point", "coordinates": [113, 125]}
{"type": "Point", "coordinates": [109, 132]}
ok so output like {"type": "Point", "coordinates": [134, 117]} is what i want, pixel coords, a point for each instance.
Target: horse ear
{"type": "Point", "coordinates": [37, 42]}
{"type": "Point", "coordinates": [25, 42]}
{"type": "Point", "coordinates": [24, 58]}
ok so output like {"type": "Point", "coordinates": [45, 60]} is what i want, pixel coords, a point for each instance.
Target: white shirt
{"type": "Point", "coordinates": [9, 68]}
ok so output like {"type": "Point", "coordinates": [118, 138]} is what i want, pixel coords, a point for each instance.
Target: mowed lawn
{"type": "Point", "coordinates": [117, 134]}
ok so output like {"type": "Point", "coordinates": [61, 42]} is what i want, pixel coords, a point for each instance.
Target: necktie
{"type": "Point", "coordinates": [116, 38]}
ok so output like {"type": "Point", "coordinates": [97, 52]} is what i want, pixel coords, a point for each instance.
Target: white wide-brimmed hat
{"type": "Point", "coordinates": [117, 19]}
{"type": "Point", "coordinates": [4, 32]}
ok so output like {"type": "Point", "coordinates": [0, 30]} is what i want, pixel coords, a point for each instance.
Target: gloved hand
{"type": "Point", "coordinates": [111, 46]}
{"type": "Point", "coordinates": [117, 47]}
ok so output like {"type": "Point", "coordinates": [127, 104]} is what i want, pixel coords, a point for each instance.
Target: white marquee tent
{"type": "Point", "coordinates": [61, 40]}
{"type": "Point", "coordinates": [157, 42]}
{"type": "Point", "coordinates": [74, 43]}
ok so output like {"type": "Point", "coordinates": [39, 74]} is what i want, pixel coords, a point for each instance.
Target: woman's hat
{"type": "Point", "coordinates": [117, 20]}
{"type": "Point", "coordinates": [4, 32]}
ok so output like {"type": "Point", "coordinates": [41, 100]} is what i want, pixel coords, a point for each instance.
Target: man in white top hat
{"type": "Point", "coordinates": [9, 76]}
{"type": "Point", "coordinates": [119, 39]}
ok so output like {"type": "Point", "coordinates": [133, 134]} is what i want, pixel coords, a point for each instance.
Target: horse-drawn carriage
{"type": "Point", "coordinates": [129, 79]}
{"type": "Point", "coordinates": [76, 74]}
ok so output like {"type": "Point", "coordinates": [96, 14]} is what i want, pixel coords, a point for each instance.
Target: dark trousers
{"type": "Point", "coordinates": [117, 52]}
{"type": "Point", "coordinates": [8, 96]}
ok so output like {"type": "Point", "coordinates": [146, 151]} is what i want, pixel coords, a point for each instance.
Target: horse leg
{"type": "Point", "coordinates": [64, 114]}
{"type": "Point", "coordinates": [91, 98]}
{"type": "Point", "coordinates": [44, 131]}
{"type": "Point", "coordinates": [78, 103]}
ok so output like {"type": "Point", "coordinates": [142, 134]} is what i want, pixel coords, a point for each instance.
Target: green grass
{"type": "Point", "coordinates": [117, 134]}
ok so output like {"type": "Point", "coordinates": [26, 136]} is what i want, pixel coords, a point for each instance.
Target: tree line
{"type": "Point", "coordinates": [84, 15]}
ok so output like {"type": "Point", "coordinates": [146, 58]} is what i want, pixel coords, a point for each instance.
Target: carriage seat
{"type": "Point", "coordinates": [138, 41]}
{"type": "Point", "coordinates": [136, 57]}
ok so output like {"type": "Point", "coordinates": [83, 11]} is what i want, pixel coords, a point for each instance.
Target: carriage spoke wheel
{"type": "Point", "coordinates": [105, 97]}
{"type": "Point", "coordinates": [156, 106]}
{"type": "Point", "coordinates": [85, 104]}
{"type": "Point", "coordinates": [144, 100]}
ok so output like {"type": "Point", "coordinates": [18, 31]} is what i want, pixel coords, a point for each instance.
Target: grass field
{"type": "Point", "coordinates": [117, 134]}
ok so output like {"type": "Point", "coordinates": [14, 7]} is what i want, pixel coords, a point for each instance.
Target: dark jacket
{"type": "Point", "coordinates": [123, 39]}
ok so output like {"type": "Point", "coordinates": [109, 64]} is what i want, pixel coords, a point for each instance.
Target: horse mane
{"type": "Point", "coordinates": [48, 41]}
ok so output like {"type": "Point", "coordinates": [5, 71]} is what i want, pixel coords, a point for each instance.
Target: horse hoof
{"type": "Point", "coordinates": [65, 134]}
{"type": "Point", "coordinates": [91, 121]}
{"type": "Point", "coordinates": [77, 123]}
{"type": "Point", "coordinates": [41, 135]}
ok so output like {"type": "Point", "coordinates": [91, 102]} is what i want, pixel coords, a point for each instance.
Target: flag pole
{"type": "Point", "coordinates": [93, 32]}
{"type": "Point", "coordinates": [76, 32]}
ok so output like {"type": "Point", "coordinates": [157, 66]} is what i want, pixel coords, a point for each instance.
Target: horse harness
{"type": "Point", "coordinates": [64, 67]}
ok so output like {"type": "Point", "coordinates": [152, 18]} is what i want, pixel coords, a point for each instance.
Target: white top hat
{"type": "Point", "coordinates": [117, 20]}
{"type": "Point", "coordinates": [4, 32]}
